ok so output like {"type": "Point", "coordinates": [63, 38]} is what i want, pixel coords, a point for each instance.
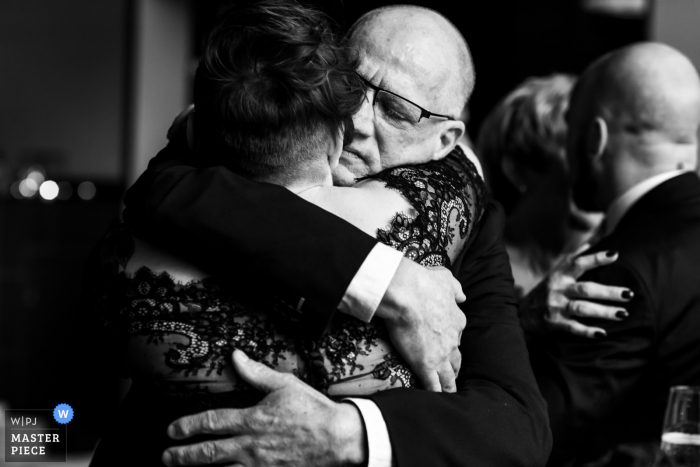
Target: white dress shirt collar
{"type": "Point", "coordinates": [625, 201]}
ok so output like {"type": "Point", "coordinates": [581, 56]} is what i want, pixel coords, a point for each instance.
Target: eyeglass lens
{"type": "Point", "coordinates": [395, 110]}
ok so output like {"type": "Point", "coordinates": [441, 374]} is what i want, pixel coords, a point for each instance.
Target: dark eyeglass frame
{"type": "Point", "coordinates": [423, 113]}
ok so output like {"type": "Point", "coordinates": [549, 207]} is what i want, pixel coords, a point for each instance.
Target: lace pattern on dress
{"type": "Point", "coordinates": [449, 198]}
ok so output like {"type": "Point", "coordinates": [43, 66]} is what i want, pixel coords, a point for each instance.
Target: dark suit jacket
{"type": "Point", "coordinates": [226, 224]}
{"type": "Point", "coordinates": [614, 390]}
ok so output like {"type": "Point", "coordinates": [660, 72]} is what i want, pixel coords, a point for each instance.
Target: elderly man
{"type": "Point", "coordinates": [416, 65]}
{"type": "Point", "coordinates": [632, 145]}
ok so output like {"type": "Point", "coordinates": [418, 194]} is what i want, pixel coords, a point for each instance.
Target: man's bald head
{"type": "Point", "coordinates": [649, 91]}
{"type": "Point", "coordinates": [420, 59]}
{"type": "Point", "coordinates": [425, 41]}
{"type": "Point", "coordinates": [641, 106]}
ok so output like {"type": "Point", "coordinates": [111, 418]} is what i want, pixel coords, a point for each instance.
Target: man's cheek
{"type": "Point", "coordinates": [409, 147]}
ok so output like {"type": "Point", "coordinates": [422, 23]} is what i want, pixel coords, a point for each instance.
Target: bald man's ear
{"type": "Point", "coordinates": [597, 138]}
{"type": "Point", "coordinates": [451, 132]}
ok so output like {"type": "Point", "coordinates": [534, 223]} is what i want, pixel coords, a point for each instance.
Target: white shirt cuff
{"type": "Point", "coordinates": [378, 442]}
{"type": "Point", "coordinates": [369, 285]}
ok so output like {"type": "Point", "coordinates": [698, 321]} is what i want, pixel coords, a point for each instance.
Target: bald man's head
{"type": "Point", "coordinates": [425, 40]}
{"type": "Point", "coordinates": [647, 89]}
{"type": "Point", "coordinates": [638, 110]}
{"type": "Point", "coordinates": [422, 61]}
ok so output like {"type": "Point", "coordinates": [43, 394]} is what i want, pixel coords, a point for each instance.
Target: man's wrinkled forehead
{"type": "Point", "coordinates": [400, 65]}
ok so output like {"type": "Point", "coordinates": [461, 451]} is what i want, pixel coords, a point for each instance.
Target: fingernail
{"type": "Point", "coordinates": [599, 334]}
{"type": "Point", "coordinates": [627, 294]}
{"type": "Point", "coordinates": [167, 458]}
{"type": "Point", "coordinates": [610, 253]}
{"type": "Point", "coordinates": [172, 432]}
{"type": "Point", "coordinates": [621, 314]}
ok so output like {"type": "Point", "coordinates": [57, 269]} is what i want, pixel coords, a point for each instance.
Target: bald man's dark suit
{"type": "Point", "coordinates": [613, 390]}
{"type": "Point", "coordinates": [240, 229]}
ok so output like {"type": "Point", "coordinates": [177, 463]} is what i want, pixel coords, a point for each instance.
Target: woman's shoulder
{"type": "Point", "coordinates": [449, 198]}
{"type": "Point", "coordinates": [455, 172]}
{"type": "Point", "coordinates": [368, 205]}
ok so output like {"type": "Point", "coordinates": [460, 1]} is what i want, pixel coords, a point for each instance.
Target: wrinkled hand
{"type": "Point", "coordinates": [294, 425]}
{"type": "Point", "coordinates": [425, 324]}
{"type": "Point", "coordinates": [560, 298]}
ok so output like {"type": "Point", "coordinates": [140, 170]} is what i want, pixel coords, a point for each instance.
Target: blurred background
{"type": "Point", "coordinates": [88, 90]}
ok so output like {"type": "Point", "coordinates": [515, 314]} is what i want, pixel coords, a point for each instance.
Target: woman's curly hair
{"type": "Point", "coordinates": [273, 83]}
{"type": "Point", "coordinates": [527, 126]}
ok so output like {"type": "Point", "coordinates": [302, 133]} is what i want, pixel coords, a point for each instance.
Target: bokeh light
{"type": "Point", "coordinates": [14, 191]}
{"type": "Point", "coordinates": [48, 190]}
{"type": "Point", "coordinates": [87, 190]}
{"type": "Point", "coordinates": [28, 187]}
{"type": "Point", "coordinates": [36, 176]}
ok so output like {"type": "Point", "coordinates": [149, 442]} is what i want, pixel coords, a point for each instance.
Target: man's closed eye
{"type": "Point", "coordinates": [393, 110]}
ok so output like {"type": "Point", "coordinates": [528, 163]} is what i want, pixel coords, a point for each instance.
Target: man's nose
{"type": "Point", "coordinates": [363, 120]}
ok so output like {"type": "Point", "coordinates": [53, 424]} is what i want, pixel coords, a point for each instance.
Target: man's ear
{"type": "Point", "coordinates": [451, 132]}
{"type": "Point", "coordinates": [335, 148]}
{"type": "Point", "coordinates": [597, 139]}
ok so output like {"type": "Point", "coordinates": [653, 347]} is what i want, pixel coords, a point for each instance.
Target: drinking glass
{"type": "Point", "coordinates": [680, 441]}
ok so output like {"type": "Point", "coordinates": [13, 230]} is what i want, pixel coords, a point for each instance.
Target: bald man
{"type": "Point", "coordinates": [419, 75]}
{"type": "Point", "coordinates": [417, 54]}
{"type": "Point", "coordinates": [632, 146]}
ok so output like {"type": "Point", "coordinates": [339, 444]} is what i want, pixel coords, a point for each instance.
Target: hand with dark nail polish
{"type": "Point", "coordinates": [599, 334]}
{"type": "Point", "coordinates": [610, 253]}
{"type": "Point", "coordinates": [622, 314]}
{"type": "Point", "coordinates": [627, 294]}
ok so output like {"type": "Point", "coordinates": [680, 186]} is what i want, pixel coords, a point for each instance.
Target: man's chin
{"type": "Point", "coordinates": [343, 177]}
{"type": "Point", "coordinates": [348, 169]}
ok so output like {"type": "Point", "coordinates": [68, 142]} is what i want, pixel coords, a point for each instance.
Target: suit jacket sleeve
{"type": "Point", "coordinates": [248, 232]}
{"type": "Point", "coordinates": [584, 381]}
{"type": "Point", "coordinates": [497, 416]}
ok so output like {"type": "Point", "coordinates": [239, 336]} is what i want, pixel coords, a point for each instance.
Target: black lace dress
{"type": "Point", "coordinates": [175, 340]}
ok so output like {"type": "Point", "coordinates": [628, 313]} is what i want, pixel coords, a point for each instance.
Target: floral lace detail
{"type": "Point", "coordinates": [449, 198]}
{"type": "Point", "coordinates": [154, 305]}
{"type": "Point", "coordinates": [394, 370]}
{"type": "Point", "coordinates": [346, 342]}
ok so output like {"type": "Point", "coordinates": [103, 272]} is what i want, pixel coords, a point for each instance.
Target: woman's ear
{"type": "Point", "coordinates": [335, 148]}
{"type": "Point", "coordinates": [597, 138]}
{"type": "Point", "coordinates": [452, 131]}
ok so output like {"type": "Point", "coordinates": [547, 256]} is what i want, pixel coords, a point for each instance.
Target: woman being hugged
{"type": "Point", "coordinates": [274, 96]}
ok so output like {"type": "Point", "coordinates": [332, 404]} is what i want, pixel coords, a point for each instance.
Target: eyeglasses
{"type": "Point", "coordinates": [397, 110]}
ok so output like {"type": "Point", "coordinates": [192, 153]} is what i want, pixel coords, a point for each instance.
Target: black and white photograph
{"type": "Point", "coordinates": [350, 233]}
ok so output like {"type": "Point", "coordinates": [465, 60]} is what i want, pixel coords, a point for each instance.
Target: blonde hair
{"type": "Point", "coordinates": [528, 126]}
